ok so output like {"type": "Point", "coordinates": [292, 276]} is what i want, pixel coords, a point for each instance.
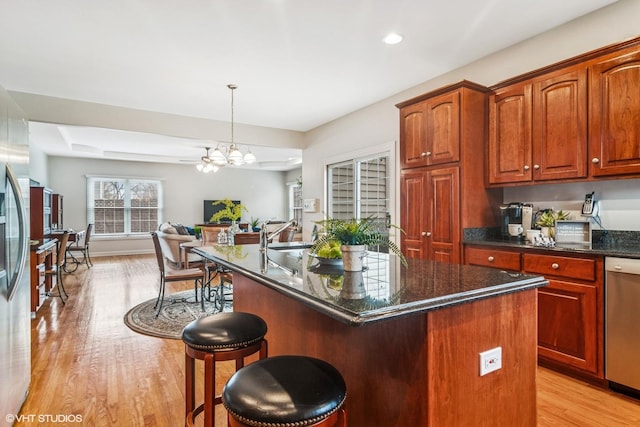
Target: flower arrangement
{"type": "Point", "coordinates": [231, 210]}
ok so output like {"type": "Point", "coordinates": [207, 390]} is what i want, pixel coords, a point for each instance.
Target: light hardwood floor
{"type": "Point", "coordinates": [86, 362]}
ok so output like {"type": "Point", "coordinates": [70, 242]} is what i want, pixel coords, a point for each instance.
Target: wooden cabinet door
{"type": "Point", "coordinates": [443, 218]}
{"type": "Point", "coordinates": [568, 325]}
{"type": "Point", "coordinates": [559, 131]}
{"type": "Point", "coordinates": [614, 114]}
{"type": "Point", "coordinates": [510, 134]}
{"type": "Point", "coordinates": [413, 211]}
{"type": "Point", "coordinates": [430, 214]}
{"type": "Point", "coordinates": [430, 131]}
{"type": "Point", "coordinates": [443, 129]}
{"type": "Point", "coordinates": [413, 134]}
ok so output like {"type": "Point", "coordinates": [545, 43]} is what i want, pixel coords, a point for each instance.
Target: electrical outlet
{"type": "Point", "coordinates": [490, 360]}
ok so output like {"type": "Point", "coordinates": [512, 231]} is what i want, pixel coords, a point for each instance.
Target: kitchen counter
{"type": "Point", "coordinates": [625, 244]}
{"type": "Point", "coordinates": [385, 289]}
{"type": "Point", "coordinates": [406, 340]}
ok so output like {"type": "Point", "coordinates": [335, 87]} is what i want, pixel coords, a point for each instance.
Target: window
{"type": "Point", "coordinates": [124, 206]}
{"type": "Point", "coordinates": [359, 188]}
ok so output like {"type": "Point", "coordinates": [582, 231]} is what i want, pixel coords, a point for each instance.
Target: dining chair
{"type": "Point", "coordinates": [56, 269]}
{"type": "Point", "coordinates": [287, 235]}
{"type": "Point", "coordinates": [82, 246]}
{"type": "Point", "coordinates": [171, 275]}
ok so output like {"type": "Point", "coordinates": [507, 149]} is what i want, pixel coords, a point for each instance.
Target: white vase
{"type": "Point", "coordinates": [353, 285]}
{"type": "Point", "coordinates": [353, 256]}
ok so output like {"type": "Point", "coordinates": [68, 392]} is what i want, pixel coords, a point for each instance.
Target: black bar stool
{"type": "Point", "coordinates": [219, 337]}
{"type": "Point", "coordinates": [286, 391]}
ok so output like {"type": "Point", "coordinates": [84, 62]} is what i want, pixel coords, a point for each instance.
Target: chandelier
{"type": "Point", "coordinates": [224, 155]}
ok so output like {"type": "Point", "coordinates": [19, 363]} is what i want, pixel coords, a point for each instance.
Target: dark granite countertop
{"type": "Point", "coordinates": [625, 244]}
{"type": "Point", "coordinates": [384, 290]}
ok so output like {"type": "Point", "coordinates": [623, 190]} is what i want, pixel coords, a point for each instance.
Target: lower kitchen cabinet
{"type": "Point", "coordinates": [570, 308]}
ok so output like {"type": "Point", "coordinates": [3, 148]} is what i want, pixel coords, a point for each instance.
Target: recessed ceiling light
{"type": "Point", "coordinates": [392, 38]}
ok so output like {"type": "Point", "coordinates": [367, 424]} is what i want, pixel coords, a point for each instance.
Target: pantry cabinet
{"type": "Point", "coordinates": [430, 214]}
{"type": "Point", "coordinates": [614, 113]}
{"type": "Point", "coordinates": [442, 143]}
{"type": "Point", "coordinates": [538, 129]}
{"type": "Point", "coordinates": [570, 308]}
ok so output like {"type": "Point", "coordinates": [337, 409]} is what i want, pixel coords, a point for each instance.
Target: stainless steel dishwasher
{"type": "Point", "coordinates": [622, 321]}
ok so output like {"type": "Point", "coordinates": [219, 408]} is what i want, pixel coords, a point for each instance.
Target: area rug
{"type": "Point", "coordinates": [178, 310]}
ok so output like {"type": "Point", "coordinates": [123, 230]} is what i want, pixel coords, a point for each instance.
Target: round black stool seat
{"type": "Point", "coordinates": [216, 338]}
{"type": "Point", "coordinates": [224, 331]}
{"type": "Point", "coordinates": [284, 391]}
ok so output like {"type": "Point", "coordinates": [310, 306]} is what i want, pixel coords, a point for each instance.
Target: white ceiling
{"type": "Point", "coordinates": [297, 63]}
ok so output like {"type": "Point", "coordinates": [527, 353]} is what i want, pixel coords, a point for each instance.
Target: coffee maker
{"type": "Point", "coordinates": [515, 219]}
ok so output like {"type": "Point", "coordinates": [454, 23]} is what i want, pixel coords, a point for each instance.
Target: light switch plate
{"type": "Point", "coordinates": [310, 205]}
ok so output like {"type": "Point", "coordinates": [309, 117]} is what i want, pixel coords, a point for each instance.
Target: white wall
{"type": "Point", "coordinates": [379, 122]}
{"type": "Point", "coordinates": [262, 192]}
{"type": "Point", "coordinates": [38, 168]}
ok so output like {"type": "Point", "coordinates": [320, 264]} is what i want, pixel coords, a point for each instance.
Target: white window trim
{"type": "Point", "coordinates": [391, 149]}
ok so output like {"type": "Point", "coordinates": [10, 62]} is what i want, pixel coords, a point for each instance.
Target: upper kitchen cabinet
{"type": "Point", "coordinates": [538, 128]}
{"type": "Point", "coordinates": [430, 129]}
{"type": "Point", "coordinates": [510, 134]}
{"type": "Point", "coordinates": [614, 113]}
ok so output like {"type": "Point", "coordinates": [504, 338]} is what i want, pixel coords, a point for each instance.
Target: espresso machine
{"type": "Point", "coordinates": [516, 218]}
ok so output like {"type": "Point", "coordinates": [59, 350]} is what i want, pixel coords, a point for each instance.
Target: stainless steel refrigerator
{"type": "Point", "coordinates": [15, 323]}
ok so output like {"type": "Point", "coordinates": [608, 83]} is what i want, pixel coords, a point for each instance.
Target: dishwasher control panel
{"type": "Point", "coordinates": [622, 265]}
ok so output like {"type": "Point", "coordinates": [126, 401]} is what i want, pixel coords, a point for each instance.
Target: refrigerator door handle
{"type": "Point", "coordinates": [22, 232]}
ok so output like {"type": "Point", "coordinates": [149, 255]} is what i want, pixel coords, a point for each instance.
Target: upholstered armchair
{"type": "Point", "coordinates": [170, 236]}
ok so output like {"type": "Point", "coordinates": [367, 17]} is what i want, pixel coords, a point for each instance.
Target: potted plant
{"type": "Point", "coordinates": [255, 224]}
{"type": "Point", "coordinates": [354, 236]}
{"type": "Point", "coordinates": [547, 221]}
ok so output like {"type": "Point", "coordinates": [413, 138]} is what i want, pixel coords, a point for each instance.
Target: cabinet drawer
{"type": "Point", "coordinates": [572, 268]}
{"type": "Point", "coordinates": [507, 260]}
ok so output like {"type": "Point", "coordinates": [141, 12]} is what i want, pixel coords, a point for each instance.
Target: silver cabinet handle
{"type": "Point", "coordinates": [490, 259]}
{"type": "Point", "coordinates": [536, 166]}
{"type": "Point", "coordinates": [526, 167]}
{"type": "Point", "coordinates": [426, 233]}
{"type": "Point", "coordinates": [595, 160]}
{"type": "Point", "coordinates": [555, 266]}
{"type": "Point", "coordinates": [427, 154]}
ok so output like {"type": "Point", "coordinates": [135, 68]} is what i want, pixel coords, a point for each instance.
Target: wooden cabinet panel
{"type": "Point", "coordinates": [568, 324]}
{"type": "Point", "coordinates": [538, 129]}
{"type": "Point", "coordinates": [510, 135]}
{"type": "Point", "coordinates": [560, 266]}
{"type": "Point", "coordinates": [57, 216]}
{"type": "Point", "coordinates": [508, 260]}
{"type": "Point", "coordinates": [430, 214]}
{"type": "Point", "coordinates": [443, 129]}
{"type": "Point", "coordinates": [559, 141]}
{"type": "Point", "coordinates": [413, 214]}
{"type": "Point", "coordinates": [443, 231]}
{"type": "Point", "coordinates": [412, 135]}
{"type": "Point", "coordinates": [614, 114]}
{"type": "Point", "coordinates": [430, 131]}
{"type": "Point", "coordinates": [40, 212]}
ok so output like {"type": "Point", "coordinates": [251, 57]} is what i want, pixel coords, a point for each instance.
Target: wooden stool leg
{"type": "Point", "coordinates": [209, 391]}
{"type": "Point", "coordinates": [189, 386]}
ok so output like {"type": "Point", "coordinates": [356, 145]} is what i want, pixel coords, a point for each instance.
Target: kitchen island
{"type": "Point", "coordinates": [407, 340]}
